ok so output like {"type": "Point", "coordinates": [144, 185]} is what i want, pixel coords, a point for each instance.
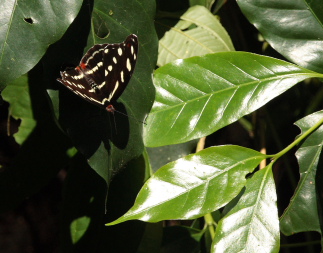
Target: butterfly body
{"type": "Point", "coordinates": [103, 73]}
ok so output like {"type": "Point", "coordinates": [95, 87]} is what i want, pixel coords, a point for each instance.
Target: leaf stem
{"type": "Point", "coordinates": [297, 141]}
{"type": "Point", "coordinates": [210, 224]}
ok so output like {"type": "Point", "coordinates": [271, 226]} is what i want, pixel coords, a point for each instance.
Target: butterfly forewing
{"type": "Point", "coordinates": [119, 65]}
{"type": "Point", "coordinates": [104, 72]}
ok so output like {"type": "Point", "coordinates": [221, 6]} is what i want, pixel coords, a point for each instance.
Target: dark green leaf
{"type": "Point", "coordinates": [197, 96]}
{"type": "Point", "coordinates": [27, 29]}
{"type": "Point", "coordinates": [302, 214]}
{"type": "Point", "coordinates": [293, 28]}
{"type": "Point", "coordinates": [108, 140]}
{"type": "Point", "coordinates": [152, 238]}
{"type": "Point", "coordinates": [179, 239]}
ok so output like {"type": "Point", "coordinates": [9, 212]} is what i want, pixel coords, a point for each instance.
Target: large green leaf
{"type": "Point", "coordinates": [293, 28]}
{"type": "Point", "coordinates": [27, 28]}
{"type": "Point", "coordinates": [199, 95]}
{"type": "Point", "coordinates": [198, 32]}
{"type": "Point", "coordinates": [195, 185]}
{"type": "Point", "coordinates": [302, 214]}
{"type": "Point", "coordinates": [107, 140]}
{"type": "Point", "coordinates": [252, 225]}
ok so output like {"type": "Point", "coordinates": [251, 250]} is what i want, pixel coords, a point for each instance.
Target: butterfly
{"type": "Point", "coordinates": [103, 73]}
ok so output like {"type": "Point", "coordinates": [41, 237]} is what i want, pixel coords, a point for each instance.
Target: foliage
{"type": "Point", "coordinates": [226, 198]}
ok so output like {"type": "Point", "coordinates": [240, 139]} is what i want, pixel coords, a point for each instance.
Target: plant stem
{"type": "Point", "coordinates": [210, 223]}
{"type": "Point", "coordinates": [297, 141]}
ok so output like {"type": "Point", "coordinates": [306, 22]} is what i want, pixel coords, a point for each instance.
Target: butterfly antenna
{"type": "Point", "coordinates": [110, 108]}
{"type": "Point", "coordinates": [115, 125]}
{"type": "Point", "coordinates": [130, 116]}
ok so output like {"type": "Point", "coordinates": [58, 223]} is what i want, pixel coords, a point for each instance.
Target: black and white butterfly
{"type": "Point", "coordinates": [104, 72]}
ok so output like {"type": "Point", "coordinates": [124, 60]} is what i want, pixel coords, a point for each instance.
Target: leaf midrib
{"type": "Point", "coordinates": [195, 186]}
{"type": "Point", "coordinates": [169, 107]}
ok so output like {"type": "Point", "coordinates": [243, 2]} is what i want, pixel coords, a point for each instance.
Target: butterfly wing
{"type": "Point", "coordinates": [119, 63]}
{"type": "Point", "coordinates": [104, 72]}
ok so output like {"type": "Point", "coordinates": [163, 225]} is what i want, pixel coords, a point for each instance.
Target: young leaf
{"type": "Point", "coordinates": [198, 32]}
{"type": "Point", "coordinates": [252, 225]}
{"type": "Point", "coordinates": [197, 96]}
{"type": "Point", "coordinates": [195, 185]}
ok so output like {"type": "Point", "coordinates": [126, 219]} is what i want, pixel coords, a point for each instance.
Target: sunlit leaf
{"type": "Point", "coordinates": [195, 185]}
{"type": "Point", "coordinates": [197, 96]}
{"type": "Point", "coordinates": [252, 225]}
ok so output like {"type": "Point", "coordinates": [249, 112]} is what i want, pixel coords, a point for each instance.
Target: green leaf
{"type": "Point", "coordinates": [27, 29]}
{"type": "Point", "coordinates": [197, 96]}
{"type": "Point", "coordinates": [293, 28]}
{"type": "Point", "coordinates": [17, 95]}
{"type": "Point", "coordinates": [108, 140]}
{"type": "Point", "coordinates": [195, 185]}
{"type": "Point", "coordinates": [252, 225]}
{"type": "Point", "coordinates": [302, 214]}
{"type": "Point", "coordinates": [198, 32]}
{"type": "Point", "coordinates": [79, 227]}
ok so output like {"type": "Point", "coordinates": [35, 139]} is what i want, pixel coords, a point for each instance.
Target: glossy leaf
{"type": "Point", "coordinates": [252, 225]}
{"type": "Point", "coordinates": [17, 95]}
{"type": "Point", "coordinates": [302, 214]}
{"type": "Point", "coordinates": [198, 32]}
{"type": "Point", "coordinates": [27, 29]}
{"type": "Point", "coordinates": [293, 28]}
{"type": "Point", "coordinates": [197, 96]}
{"type": "Point", "coordinates": [195, 185]}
